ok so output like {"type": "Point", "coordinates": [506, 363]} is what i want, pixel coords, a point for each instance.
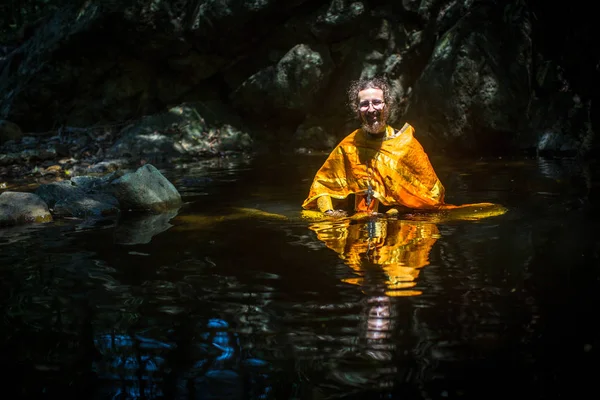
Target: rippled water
{"type": "Point", "coordinates": [214, 303]}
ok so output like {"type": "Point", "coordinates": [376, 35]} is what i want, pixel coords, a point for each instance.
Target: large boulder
{"type": "Point", "coordinates": [473, 94]}
{"type": "Point", "coordinates": [19, 208]}
{"type": "Point", "coordinates": [288, 88]}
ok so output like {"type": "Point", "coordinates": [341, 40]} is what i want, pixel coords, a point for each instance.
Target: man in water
{"type": "Point", "coordinates": [376, 163]}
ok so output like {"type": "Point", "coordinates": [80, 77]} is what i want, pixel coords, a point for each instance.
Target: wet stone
{"type": "Point", "coordinates": [19, 208]}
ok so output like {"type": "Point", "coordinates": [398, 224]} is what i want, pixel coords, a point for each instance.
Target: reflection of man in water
{"type": "Point", "coordinates": [399, 248]}
{"type": "Point", "coordinates": [376, 163]}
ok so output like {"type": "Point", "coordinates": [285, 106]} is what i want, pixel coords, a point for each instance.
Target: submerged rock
{"type": "Point", "coordinates": [19, 208]}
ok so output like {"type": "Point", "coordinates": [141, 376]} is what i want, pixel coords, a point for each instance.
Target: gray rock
{"type": "Point", "coordinates": [34, 154]}
{"type": "Point", "coordinates": [145, 190]}
{"type": "Point", "coordinates": [90, 183]}
{"type": "Point", "coordinates": [472, 94]}
{"type": "Point", "coordinates": [562, 124]}
{"type": "Point", "coordinates": [66, 199]}
{"type": "Point", "coordinates": [10, 158]}
{"type": "Point", "coordinates": [338, 20]}
{"type": "Point", "coordinates": [55, 192]}
{"type": "Point", "coordinates": [301, 75]}
{"type": "Point", "coordinates": [29, 142]}
{"type": "Point", "coordinates": [19, 208]}
{"type": "Point", "coordinates": [183, 131]}
{"type": "Point", "coordinates": [290, 86]}
{"type": "Point", "coordinates": [94, 205]}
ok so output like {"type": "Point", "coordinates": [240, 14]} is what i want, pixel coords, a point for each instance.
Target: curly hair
{"type": "Point", "coordinates": [368, 83]}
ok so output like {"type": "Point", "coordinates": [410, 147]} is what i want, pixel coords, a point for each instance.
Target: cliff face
{"type": "Point", "coordinates": [472, 77]}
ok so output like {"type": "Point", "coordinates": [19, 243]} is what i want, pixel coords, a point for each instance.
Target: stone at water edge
{"type": "Point", "coordinates": [52, 193]}
{"type": "Point", "coordinates": [145, 190]}
{"type": "Point", "coordinates": [19, 208]}
{"type": "Point", "coordinates": [67, 199]}
{"type": "Point", "coordinates": [94, 205]}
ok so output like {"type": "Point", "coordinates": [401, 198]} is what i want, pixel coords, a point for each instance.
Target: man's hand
{"type": "Point", "coordinates": [336, 213]}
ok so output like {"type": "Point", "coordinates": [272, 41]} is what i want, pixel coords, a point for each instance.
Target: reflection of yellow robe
{"type": "Point", "coordinates": [397, 168]}
{"type": "Point", "coordinates": [401, 248]}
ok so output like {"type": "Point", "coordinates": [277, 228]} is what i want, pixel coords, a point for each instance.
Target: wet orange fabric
{"type": "Point", "coordinates": [397, 168]}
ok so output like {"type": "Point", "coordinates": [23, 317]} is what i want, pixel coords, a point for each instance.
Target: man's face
{"type": "Point", "coordinates": [372, 110]}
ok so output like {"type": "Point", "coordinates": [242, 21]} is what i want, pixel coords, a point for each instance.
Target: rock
{"type": "Point", "coordinates": [55, 192]}
{"type": "Point", "coordinates": [66, 199]}
{"type": "Point", "coordinates": [38, 154]}
{"type": "Point", "coordinates": [290, 87]}
{"type": "Point", "coordinates": [183, 131]}
{"type": "Point", "coordinates": [27, 155]}
{"type": "Point", "coordinates": [471, 96]}
{"type": "Point", "coordinates": [94, 205]}
{"type": "Point", "coordinates": [19, 208]}
{"type": "Point", "coordinates": [9, 159]}
{"type": "Point", "coordinates": [109, 166]}
{"type": "Point", "coordinates": [29, 142]}
{"type": "Point", "coordinates": [145, 190]}
{"type": "Point", "coordinates": [562, 125]}
{"type": "Point", "coordinates": [91, 183]}
{"type": "Point", "coordinates": [338, 20]}
{"type": "Point", "coordinates": [9, 131]}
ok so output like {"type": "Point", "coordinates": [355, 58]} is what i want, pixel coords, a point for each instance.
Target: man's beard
{"type": "Point", "coordinates": [375, 123]}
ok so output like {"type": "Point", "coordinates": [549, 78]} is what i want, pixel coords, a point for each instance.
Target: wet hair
{"type": "Point", "coordinates": [369, 83]}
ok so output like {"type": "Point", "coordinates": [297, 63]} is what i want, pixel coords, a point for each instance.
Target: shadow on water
{"type": "Point", "coordinates": [200, 305]}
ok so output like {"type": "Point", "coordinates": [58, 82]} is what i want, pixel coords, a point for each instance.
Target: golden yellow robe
{"type": "Point", "coordinates": [396, 166]}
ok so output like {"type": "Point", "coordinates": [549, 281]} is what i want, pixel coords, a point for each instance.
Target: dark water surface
{"type": "Point", "coordinates": [217, 305]}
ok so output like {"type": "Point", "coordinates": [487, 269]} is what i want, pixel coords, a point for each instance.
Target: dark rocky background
{"type": "Point", "coordinates": [186, 79]}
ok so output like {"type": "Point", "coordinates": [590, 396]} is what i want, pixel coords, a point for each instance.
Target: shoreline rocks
{"type": "Point", "coordinates": [144, 190]}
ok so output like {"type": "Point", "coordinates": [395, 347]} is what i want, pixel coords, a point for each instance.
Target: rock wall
{"type": "Point", "coordinates": [468, 75]}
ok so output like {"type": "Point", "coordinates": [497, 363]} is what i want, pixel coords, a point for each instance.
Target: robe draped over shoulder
{"type": "Point", "coordinates": [397, 168]}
